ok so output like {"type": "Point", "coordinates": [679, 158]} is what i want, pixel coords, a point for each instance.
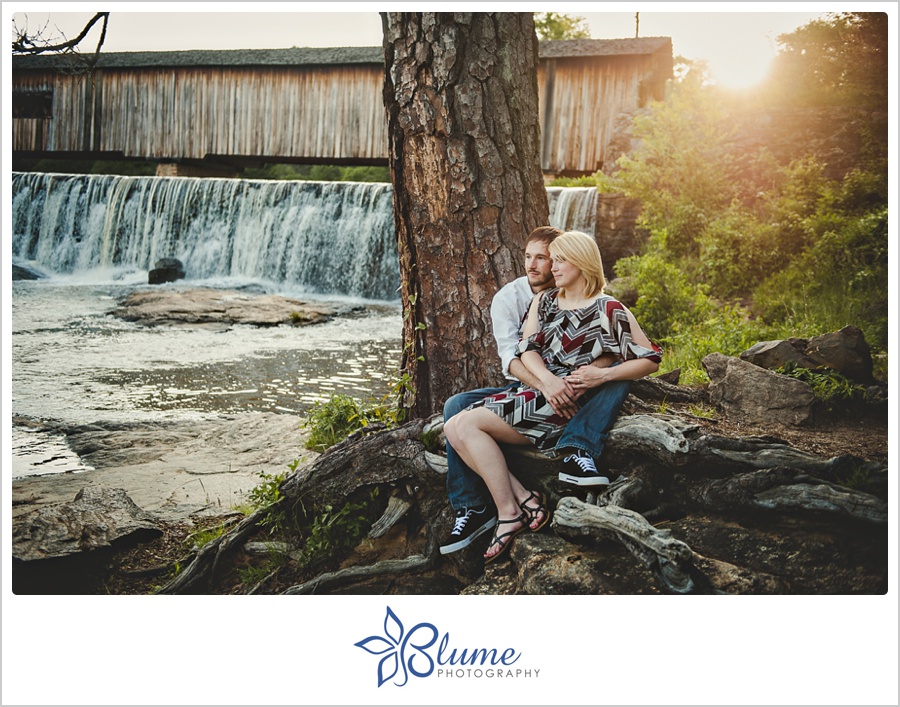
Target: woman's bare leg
{"type": "Point", "coordinates": [475, 435]}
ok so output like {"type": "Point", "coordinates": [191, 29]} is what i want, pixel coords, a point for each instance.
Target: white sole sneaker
{"type": "Point", "coordinates": [465, 542]}
{"type": "Point", "coordinates": [592, 480]}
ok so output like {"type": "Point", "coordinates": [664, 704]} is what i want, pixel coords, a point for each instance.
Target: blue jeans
{"type": "Point", "coordinates": [587, 431]}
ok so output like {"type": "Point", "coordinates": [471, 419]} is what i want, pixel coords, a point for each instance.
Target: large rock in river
{"type": "Point", "coordinates": [166, 270]}
{"type": "Point", "coordinates": [221, 308]}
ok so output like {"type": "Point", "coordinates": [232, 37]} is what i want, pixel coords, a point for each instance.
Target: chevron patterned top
{"type": "Point", "coordinates": [566, 340]}
{"type": "Point", "coordinates": [569, 338]}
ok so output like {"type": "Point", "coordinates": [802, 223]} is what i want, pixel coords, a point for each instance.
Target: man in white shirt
{"type": "Point", "coordinates": [586, 431]}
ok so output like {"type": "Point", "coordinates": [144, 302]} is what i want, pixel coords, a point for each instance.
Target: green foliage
{"type": "Point", "coordinates": [337, 530]}
{"type": "Point", "coordinates": [268, 491]}
{"type": "Point", "coordinates": [830, 387]}
{"type": "Point", "coordinates": [267, 495]}
{"type": "Point", "coordinates": [743, 248]}
{"type": "Point", "coordinates": [129, 168]}
{"type": "Point", "coordinates": [320, 172]}
{"type": "Point", "coordinates": [252, 574]}
{"type": "Point", "coordinates": [205, 535]}
{"type": "Point", "coordinates": [702, 411]}
{"type": "Point", "coordinates": [840, 60]}
{"type": "Point", "coordinates": [736, 252]}
{"type": "Point", "coordinates": [556, 25]}
{"type": "Point", "coordinates": [667, 300]}
{"type": "Point", "coordinates": [583, 181]}
{"type": "Point", "coordinates": [683, 169]}
{"type": "Point", "coordinates": [431, 440]}
{"type": "Point", "coordinates": [842, 279]}
{"type": "Point", "coordinates": [333, 420]}
{"type": "Point", "coordinates": [727, 330]}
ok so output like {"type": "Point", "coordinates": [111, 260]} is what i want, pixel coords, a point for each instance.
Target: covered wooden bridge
{"type": "Point", "coordinates": [209, 109]}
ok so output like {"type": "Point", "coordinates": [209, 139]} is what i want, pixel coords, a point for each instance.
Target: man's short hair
{"type": "Point", "coordinates": [544, 234]}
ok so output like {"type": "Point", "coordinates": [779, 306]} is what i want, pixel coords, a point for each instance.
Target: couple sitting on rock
{"type": "Point", "coordinates": [570, 353]}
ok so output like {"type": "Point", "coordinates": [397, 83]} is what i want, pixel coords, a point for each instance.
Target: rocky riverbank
{"type": "Point", "coordinates": [706, 477]}
{"type": "Point", "coordinates": [177, 471]}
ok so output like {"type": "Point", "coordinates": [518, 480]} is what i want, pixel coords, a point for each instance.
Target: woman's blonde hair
{"type": "Point", "coordinates": [581, 250]}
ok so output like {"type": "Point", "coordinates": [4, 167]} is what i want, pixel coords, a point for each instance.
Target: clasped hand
{"type": "Point", "coordinates": [562, 396]}
{"type": "Point", "coordinates": [562, 393]}
{"type": "Point", "coordinates": [586, 377]}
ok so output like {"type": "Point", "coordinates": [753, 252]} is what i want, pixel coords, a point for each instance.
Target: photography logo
{"type": "Point", "coordinates": [422, 652]}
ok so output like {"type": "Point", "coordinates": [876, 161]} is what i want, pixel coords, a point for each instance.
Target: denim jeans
{"type": "Point", "coordinates": [587, 430]}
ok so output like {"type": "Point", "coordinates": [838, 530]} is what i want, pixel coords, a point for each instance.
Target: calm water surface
{"type": "Point", "coordinates": [73, 362]}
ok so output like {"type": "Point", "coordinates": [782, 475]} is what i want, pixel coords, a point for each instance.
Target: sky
{"type": "Point", "coordinates": [738, 40]}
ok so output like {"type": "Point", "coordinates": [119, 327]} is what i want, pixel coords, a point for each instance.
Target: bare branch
{"type": "Point", "coordinates": [35, 44]}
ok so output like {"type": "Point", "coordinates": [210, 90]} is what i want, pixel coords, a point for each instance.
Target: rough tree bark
{"type": "Point", "coordinates": [461, 98]}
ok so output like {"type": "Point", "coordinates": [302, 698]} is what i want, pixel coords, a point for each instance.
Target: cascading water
{"type": "Point", "coordinates": [324, 237]}
{"type": "Point", "coordinates": [573, 208]}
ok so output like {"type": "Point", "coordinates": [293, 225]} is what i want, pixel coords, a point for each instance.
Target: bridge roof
{"type": "Point", "coordinates": [312, 56]}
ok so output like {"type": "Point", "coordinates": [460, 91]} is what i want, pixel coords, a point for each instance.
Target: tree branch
{"type": "Point", "coordinates": [25, 44]}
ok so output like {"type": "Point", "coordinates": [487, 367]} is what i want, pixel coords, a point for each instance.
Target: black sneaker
{"type": "Point", "coordinates": [470, 523]}
{"type": "Point", "coordinates": [579, 469]}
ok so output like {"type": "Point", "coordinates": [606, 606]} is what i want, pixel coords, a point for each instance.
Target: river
{"type": "Point", "coordinates": [94, 237]}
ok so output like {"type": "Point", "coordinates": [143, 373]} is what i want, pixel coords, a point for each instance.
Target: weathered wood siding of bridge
{"type": "Point", "coordinates": [301, 105]}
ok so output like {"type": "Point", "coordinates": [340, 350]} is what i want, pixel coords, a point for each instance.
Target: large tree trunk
{"type": "Point", "coordinates": [461, 98]}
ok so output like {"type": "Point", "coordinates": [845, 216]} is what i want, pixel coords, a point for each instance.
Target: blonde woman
{"type": "Point", "coordinates": [567, 328]}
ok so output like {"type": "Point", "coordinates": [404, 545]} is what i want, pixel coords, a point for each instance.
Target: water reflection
{"type": "Point", "coordinates": [275, 381]}
{"type": "Point", "coordinates": [74, 362]}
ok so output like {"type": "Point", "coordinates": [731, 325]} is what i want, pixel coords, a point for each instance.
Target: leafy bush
{"type": "Point", "coordinates": [337, 530]}
{"type": "Point", "coordinates": [796, 252]}
{"type": "Point", "coordinates": [829, 386]}
{"type": "Point", "coordinates": [203, 536]}
{"type": "Point", "coordinates": [333, 420]}
{"type": "Point", "coordinates": [267, 495]}
{"type": "Point", "coordinates": [268, 490]}
{"type": "Point", "coordinates": [727, 330]}
{"type": "Point", "coordinates": [842, 279]}
{"type": "Point", "coordinates": [667, 300]}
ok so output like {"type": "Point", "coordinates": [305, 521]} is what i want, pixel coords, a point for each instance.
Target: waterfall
{"type": "Point", "coordinates": [324, 237]}
{"type": "Point", "coordinates": [573, 208]}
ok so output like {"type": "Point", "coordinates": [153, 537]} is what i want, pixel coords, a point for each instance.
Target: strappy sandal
{"type": "Point", "coordinates": [498, 538]}
{"type": "Point", "coordinates": [534, 512]}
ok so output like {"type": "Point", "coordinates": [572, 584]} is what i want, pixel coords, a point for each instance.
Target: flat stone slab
{"type": "Point", "coordinates": [176, 471]}
{"type": "Point", "coordinates": [218, 308]}
{"type": "Point", "coordinates": [98, 518]}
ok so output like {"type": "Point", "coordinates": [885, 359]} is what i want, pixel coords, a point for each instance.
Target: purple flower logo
{"type": "Point", "coordinates": [402, 654]}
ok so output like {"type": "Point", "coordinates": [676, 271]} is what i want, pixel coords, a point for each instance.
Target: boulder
{"type": "Point", "coordinates": [166, 270]}
{"type": "Point", "coordinates": [745, 392]}
{"type": "Point", "coordinates": [98, 518]}
{"type": "Point", "coordinates": [845, 351]}
{"type": "Point", "coordinates": [207, 307]}
{"type": "Point", "coordinates": [775, 354]}
{"type": "Point", "coordinates": [21, 272]}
